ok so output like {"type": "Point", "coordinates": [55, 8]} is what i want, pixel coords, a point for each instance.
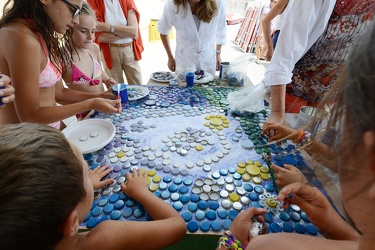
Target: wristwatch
{"type": "Point", "coordinates": [112, 29]}
{"type": "Point", "coordinates": [218, 52]}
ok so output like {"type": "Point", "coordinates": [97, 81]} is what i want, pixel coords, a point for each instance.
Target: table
{"type": "Point", "coordinates": [205, 163]}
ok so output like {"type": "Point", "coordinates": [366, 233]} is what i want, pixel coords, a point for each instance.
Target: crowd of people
{"type": "Point", "coordinates": [51, 55]}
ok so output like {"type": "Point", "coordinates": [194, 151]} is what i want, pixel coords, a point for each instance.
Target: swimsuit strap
{"type": "Point", "coordinates": [39, 36]}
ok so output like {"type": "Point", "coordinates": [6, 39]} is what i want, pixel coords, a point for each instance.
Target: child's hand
{"type": "Point", "coordinates": [277, 131]}
{"type": "Point", "coordinates": [104, 105]}
{"type": "Point", "coordinates": [136, 183]}
{"type": "Point", "coordinates": [288, 175]}
{"type": "Point", "coordinates": [241, 225]}
{"type": "Point", "coordinates": [7, 91]}
{"type": "Point", "coordinates": [108, 94]}
{"type": "Point", "coordinates": [97, 174]}
{"type": "Point", "coordinates": [110, 82]}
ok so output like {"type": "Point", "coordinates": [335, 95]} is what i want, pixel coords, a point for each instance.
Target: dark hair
{"type": "Point", "coordinates": [41, 183]}
{"type": "Point", "coordinates": [207, 9]}
{"type": "Point", "coordinates": [353, 95]}
{"type": "Point", "coordinates": [58, 48]}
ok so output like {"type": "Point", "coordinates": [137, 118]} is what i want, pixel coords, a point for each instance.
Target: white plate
{"type": "Point", "coordinates": [138, 90]}
{"type": "Point", "coordinates": [82, 134]}
{"type": "Point", "coordinates": [173, 76]}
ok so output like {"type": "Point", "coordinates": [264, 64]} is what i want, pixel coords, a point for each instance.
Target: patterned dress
{"type": "Point", "coordinates": [316, 71]}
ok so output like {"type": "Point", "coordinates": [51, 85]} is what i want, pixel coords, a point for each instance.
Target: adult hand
{"type": "Point", "coordinates": [241, 225]}
{"type": "Point", "coordinates": [218, 62]}
{"type": "Point", "coordinates": [172, 64]}
{"type": "Point", "coordinates": [269, 53]}
{"type": "Point", "coordinates": [105, 106]}
{"type": "Point", "coordinates": [277, 131]}
{"type": "Point", "coordinates": [97, 175]}
{"type": "Point", "coordinates": [136, 183]}
{"type": "Point", "coordinates": [288, 175]}
{"type": "Point", "coordinates": [7, 93]}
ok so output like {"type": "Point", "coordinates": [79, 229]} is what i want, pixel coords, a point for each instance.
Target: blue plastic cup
{"type": "Point", "coordinates": [189, 79]}
{"type": "Point", "coordinates": [123, 92]}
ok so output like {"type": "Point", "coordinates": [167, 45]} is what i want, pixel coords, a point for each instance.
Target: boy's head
{"type": "Point", "coordinates": [41, 187]}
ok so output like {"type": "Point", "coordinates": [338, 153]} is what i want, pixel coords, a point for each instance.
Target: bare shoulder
{"type": "Point", "coordinates": [95, 50]}
{"type": "Point", "coordinates": [17, 39]}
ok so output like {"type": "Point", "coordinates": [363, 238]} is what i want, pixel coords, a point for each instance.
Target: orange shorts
{"type": "Point", "coordinates": [293, 104]}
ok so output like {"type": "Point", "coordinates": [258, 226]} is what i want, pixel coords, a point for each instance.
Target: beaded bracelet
{"type": "Point", "coordinates": [299, 136]}
{"type": "Point", "coordinates": [304, 139]}
{"type": "Point", "coordinates": [229, 241]}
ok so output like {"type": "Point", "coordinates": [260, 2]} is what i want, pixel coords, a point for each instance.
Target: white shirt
{"type": "Point", "coordinates": [304, 22]}
{"type": "Point", "coordinates": [194, 45]}
{"type": "Point", "coordinates": [115, 16]}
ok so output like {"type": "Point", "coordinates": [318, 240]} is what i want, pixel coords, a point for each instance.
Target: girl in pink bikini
{"type": "Point", "coordinates": [85, 72]}
{"type": "Point", "coordinates": [33, 46]}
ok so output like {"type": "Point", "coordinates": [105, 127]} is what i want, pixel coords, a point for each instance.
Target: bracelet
{"type": "Point", "coordinates": [304, 139]}
{"type": "Point", "coordinates": [229, 241]}
{"type": "Point", "coordinates": [218, 52]}
{"type": "Point", "coordinates": [299, 136]}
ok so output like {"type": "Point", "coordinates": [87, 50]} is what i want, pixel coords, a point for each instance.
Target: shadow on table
{"type": "Point", "coordinates": [196, 242]}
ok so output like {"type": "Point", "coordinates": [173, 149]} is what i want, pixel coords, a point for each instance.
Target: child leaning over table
{"type": "Point", "coordinates": [354, 109]}
{"type": "Point", "coordinates": [85, 72]}
{"type": "Point", "coordinates": [46, 192]}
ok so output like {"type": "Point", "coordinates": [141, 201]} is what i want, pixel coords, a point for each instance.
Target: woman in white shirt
{"type": "Point", "coordinates": [200, 32]}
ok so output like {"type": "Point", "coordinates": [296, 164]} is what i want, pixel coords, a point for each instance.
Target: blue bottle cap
{"type": "Point", "coordinates": [203, 205]}
{"type": "Point", "coordinates": [211, 215]}
{"type": "Point", "coordinates": [299, 228]}
{"type": "Point", "coordinates": [115, 215]}
{"type": "Point", "coordinates": [287, 227]}
{"type": "Point", "coordinates": [127, 212]}
{"type": "Point", "coordinates": [92, 222]}
{"type": "Point", "coordinates": [96, 211]}
{"type": "Point", "coordinates": [259, 189]}
{"type": "Point", "coordinates": [284, 216]}
{"type": "Point", "coordinates": [194, 197]}
{"type": "Point", "coordinates": [275, 227]}
{"type": "Point", "coordinates": [295, 216]}
{"type": "Point", "coordinates": [108, 208]}
{"type": "Point", "coordinates": [185, 198]}
{"type": "Point", "coordinates": [311, 229]}
{"type": "Point", "coordinates": [200, 215]}
{"type": "Point", "coordinates": [177, 205]}
{"type": "Point", "coordinates": [192, 207]}
{"type": "Point", "coordinates": [139, 212]}
{"type": "Point", "coordinates": [205, 225]}
{"type": "Point", "coordinates": [113, 198]}
{"type": "Point", "coordinates": [213, 205]}
{"type": "Point", "coordinates": [192, 226]}
{"type": "Point", "coordinates": [216, 225]}
{"type": "Point", "coordinates": [232, 214]}
{"type": "Point", "coordinates": [186, 216]}
{"type": "Point", "coordinates": [183, 190]}
{"type": "Point", "coordinates": [269, 217]}
{"type": "Point", "coordinates": [222, 213]}
{"type": "Point", "coordinates": [227, 223]}
{"type": "Point", "coordinates": [248, 187]}
{"type": "Point", "coordinates": [253, 196]}
{"type": "Point", "coordinates": [172, 188]}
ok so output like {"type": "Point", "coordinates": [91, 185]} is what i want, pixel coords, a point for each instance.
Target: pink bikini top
{"type": "Point", "coordinates": [78, 77]}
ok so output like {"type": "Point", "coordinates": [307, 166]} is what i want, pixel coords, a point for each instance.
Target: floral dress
{"type": "Point", "coordinates": [317, 70]}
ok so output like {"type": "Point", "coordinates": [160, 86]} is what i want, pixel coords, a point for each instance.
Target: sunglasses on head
{"type": "Point", "coordinates": [76, 9]}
